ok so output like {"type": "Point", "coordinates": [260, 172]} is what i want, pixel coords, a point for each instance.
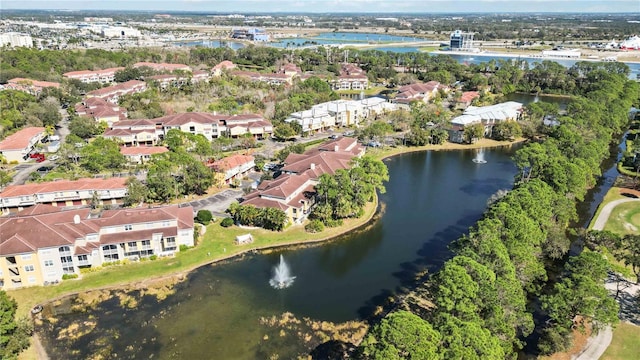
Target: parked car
{"type": "Point", "coordinates": [334, 136]}
{"type": "Point", "coordinates": [374, 144]}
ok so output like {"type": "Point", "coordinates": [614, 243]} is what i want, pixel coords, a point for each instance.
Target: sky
{"type": "Point", "coordinates": [335, 6]}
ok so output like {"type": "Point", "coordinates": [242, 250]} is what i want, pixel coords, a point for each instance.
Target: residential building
{"type": "Point", "coordinates": [351, 77]}
{"type": "Point", "coordinates": [485, 115]}
{"type": "Point", "coordinates": [138, 132]}
{"type": "Point", "coordinates": [166, 80]}
{"type": "Point", "coordinates": [63, 193]}
{"type": "Point", "coordinates": [374, 106]}
{"type": "Point", "coordinates": [141, 154]}
{"type": "Point", "coordinates": [419, 92]}
{"type": "Point", "coordinates": [14, 39]}
{"type": "Point", "coordinates": [104, 76]}
{"type": "Point", "coordinates": [16, 147]}
{"type": "Point", "coordinates": [465, 100]}
{"type": "Point", "coordinates": [241, 125]}
{"type": "Point", "coordinates": [294, 191]}
{"type": "Point", "coordinates": [41, 244]}
{"type": "Point", "coordinates": [345, 112]}
{"type": "Point", "coordinates": [113, 93]}
{"type": "Point", "coordinates": [270, 78]}
{"type": "Point", "coordinates": [163, 66]}
{"type": "Point", "coordinates": [222, 66]}
{"type": "Point", "coordinates": [232, 167]}
{"type": "Point", "coordinates": [33, 87]}
{"type": "Point", "coordinates": [209, 125]}
{"type": "Point", "coordinates": [101, 110]}
{"type": "Point", "coordinates": [314, 120]}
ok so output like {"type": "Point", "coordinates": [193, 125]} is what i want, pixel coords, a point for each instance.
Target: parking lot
{"type": "Point", "coordinates": [217, 203]}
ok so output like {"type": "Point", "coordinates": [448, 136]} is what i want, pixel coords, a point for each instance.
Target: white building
{"type": "Point", "coordinates": [120, 32]}
{"type": "Point", "coordinates": [563, 54]}
{"type": "Point", "coordinates": [14, 39]}
{"type": "Point", "coordinates": [16, 147]}
{"type": "Point", "coordinates": [312, 120]}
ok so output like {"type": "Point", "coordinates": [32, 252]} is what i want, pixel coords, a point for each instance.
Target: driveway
{"type": "Point", "coordinates": [217, 203]}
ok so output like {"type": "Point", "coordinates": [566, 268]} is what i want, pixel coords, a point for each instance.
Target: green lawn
{"type": "Point", "coordinates": [624, 219]}
{"type": "Point", "coordinates": [612, 195]}
{"type": "Point", "coordinates": [625, 344]}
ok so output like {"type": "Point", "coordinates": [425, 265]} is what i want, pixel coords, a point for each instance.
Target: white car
{"type": "Point", "coordinates": [53, 158]}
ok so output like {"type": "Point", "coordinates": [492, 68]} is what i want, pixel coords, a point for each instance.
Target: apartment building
{"type": "Point", "coordinates": [294, 191]}
{"type": "Point", "coordinates": [30, 86]}
{"type": "Point", "coordinates": [104, 76]}
{"type": "Point", "coordinates": [141, 154]}
{"type": "Point", "coordinates": [16, 147]}
{"type": "Point", "coordinates": [222, 66]}
{"type": "Point", "coordinates": [42, 243]}
{"type": "Point", "coordinates": [419, 92]}
{"type": "Point", "coordinates": [232, 167]}
{"type": "Point", "coordinates": [113, 93]}
{"type": "Point", "coordinates": [351, 77]}
{"type": "Point", "coordinates": [63, 193]}
{"type": "Point", "coordinates": [163, 66]}
{"type": "Point", "coordinates": [136, 132]}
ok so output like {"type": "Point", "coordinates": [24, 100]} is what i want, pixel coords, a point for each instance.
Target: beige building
{"type": "Point", "coordinates": [16, 147]}
{"type": "Point", "coordinates": [41, 244]}
{"type": "Point", "coordinates": [104, 76]}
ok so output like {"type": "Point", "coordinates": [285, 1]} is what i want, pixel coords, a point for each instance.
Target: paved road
{"type": "Point", "coordinates": [597, 345]}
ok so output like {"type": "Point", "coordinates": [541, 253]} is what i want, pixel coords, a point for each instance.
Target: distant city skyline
{"type": "Point", "coordinates": [336, 6]}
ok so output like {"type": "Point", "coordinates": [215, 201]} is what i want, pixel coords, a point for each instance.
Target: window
{"type": "Point", "coordinates": [26, 257]}
{"type": "Point", "coordinates": [45, 252]}
{"type": "Point", "coordinates": [192, 128]}
{"type": "Point", "coordinates": [165, 223]}
{"type": "Point", "coordinates": [29, 268]}
{"type": "Point", "coordinates": [32, 279]}
{"type": "Point", "coordinates": [110, 252]}
{"type": "Point", "coordinates": [48, 263]}
{"type": "Point", "coordinates": [128, 227]}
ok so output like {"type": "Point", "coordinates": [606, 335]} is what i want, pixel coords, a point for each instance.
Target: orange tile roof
{"type": "Point", "coordinates": [20, 140]}
{"type": "Point", "coordinates": [31, 82]}
{"type": "Point", "coordinates": [231, 162]}
{"type": "Point", "coordinates": [142, 150]}
{"type": "Point", "coordinates": [63, 185]}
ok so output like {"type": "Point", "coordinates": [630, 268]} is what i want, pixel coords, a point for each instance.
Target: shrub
{"type": "Point", "coordinates": [204, 217]}
{"type": "Point", "coordinates": [226, 222]}
{"type": "Point", "coordinates": [69, 276]}
{"type": "Point", "coordinates": [153, 257]}
{"type": "Point", "coordinates": [315, 226]}
{"type": "Point", "coordinates": [184, 247]}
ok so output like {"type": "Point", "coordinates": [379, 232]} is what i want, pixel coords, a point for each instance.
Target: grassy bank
{"type": "Point", "coordinates": [624, 345]}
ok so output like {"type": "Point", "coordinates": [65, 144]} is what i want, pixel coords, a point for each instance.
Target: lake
{"type": "Point", "coordinates": [432, 198]}
{"type": "Point", "coordinates": [341, 38]}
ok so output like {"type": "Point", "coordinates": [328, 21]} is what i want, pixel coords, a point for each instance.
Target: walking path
{"type": "Point", "coordinates": [597, 345]}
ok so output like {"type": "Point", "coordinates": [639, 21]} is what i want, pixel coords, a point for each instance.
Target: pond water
{"type": "Point", "coordinates": [211, 44]}
{"type": "Point", "coordinates": [340, 38]}
{"type": "Point", "coordinates": [432, 198]}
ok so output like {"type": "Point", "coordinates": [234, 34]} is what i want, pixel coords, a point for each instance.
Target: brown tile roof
{"type": "Point", "coordinates": [120, 88]}
{"type": "Point", "coordinates": [20, 140]}
{"type": "Point", "coordinates": [63, 185]}
{"type": "Point", "coordinates": [92, 72]}
{"type": "Point", "coordinates": [468, 96]}
{"type": "Point", "coordinates": [163, 66]}
{"type": "Point", "coordinates": [185, 118]}
{"type": "Point", "coordinates": [226, 64]}
{"type": "Point", "coordinates": [133, 122]}
{"type": "Point", "coordinates": [33, 229]}
{"type": "Point", "coordinates": [142, 150]}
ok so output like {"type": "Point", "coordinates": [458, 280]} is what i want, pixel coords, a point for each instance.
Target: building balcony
{"type": "Point", "coordinates": [84, 263]}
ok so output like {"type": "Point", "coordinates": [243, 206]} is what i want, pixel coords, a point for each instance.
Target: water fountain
{"type": "Point", "coordinates": [479, 159]}
{"type": "Point", "coordinates": [282, 275]}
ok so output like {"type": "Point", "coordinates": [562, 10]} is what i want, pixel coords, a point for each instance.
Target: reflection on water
{"type": "Point", "coordinates": [432, 198]}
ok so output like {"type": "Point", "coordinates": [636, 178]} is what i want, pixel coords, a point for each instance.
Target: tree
{"type": "Point", "coordinates": [14, 334]}
{"type": "Point", "coordinates": [473, 132]}
{"type": "Point", "coordinates": [581, 293]}
{"type": "Point", "coordinates": [102, 154]}
{"type": "Point", "coordinates": [506, 130]}
{"type": "Point", "coordinates": [136, 192]}
{"type": "Point", "coordinates": [272, 219]}
{"type": "Point", "coordinates": [284, 131]}
{"type": "Point", "coordinates": [5, 178]}
{"type": "Point", "coordinates": [83, 127]}
{"type": "Point", "coordinates": [402, 335]}
{"type": "Point", "coordinates": [631, 253]}
{"type": "Point", "coordinates": [204, 216]}
{"type": "Point", "coordinates": [197, 178]}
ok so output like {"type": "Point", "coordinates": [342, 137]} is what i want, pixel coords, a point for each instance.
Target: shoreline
{"type": "Point", "coordinates": [525, 55]}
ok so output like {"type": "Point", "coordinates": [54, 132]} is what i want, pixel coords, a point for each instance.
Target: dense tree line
{"type": "Point", "coordinates": [249, 215]}
{"type": "Point", "coordinates": [480, 296]}
{"type": "Point", "coordinates": [14, 333]}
